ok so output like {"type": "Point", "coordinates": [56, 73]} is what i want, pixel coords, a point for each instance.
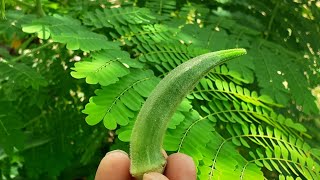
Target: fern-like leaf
{"type": "Point", "coordinates": [162, 7]}
{"type": "Point", "coordinates": [14, 20]}
{"type": "Point", "coordinates": [278, 79]}
{"type": "Point", "coordinates": [223, 161]}
{"type": "Point", "coordinates": [10, 129]}
{"type": "Point", "coordinates": [277, 69]}
{"type": "Point", "coordinates": [19, 74]}
{"type": "Point", "coordinates": [69, 31]}
{"type": "Point", "coordinates": [105, 67]}
{"type": "Point", "coordinates": [246, 106]}
{"type": "Point", "coordinates": [281, 152]}
{"type": "Point", "coordinates": [115, 17]}
{"type": "Point", "coordinates": [119, 102]}
{"type": "Point", "coordinates": [196, 137]}
{"type": "Point", "coordinates": [144, 34]}
{"type": "Point", "coordinates": [171, 53]}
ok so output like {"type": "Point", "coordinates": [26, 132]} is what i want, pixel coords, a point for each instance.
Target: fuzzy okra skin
{"type": "Point", "coordinates": [152, 120]}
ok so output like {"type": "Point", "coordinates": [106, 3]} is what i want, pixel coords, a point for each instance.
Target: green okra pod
{"type": "Point", "coordinates": [152, 120]}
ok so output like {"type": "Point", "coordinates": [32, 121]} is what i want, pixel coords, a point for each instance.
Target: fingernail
{"type": "Point", "coordinates": [117, 151]}
{"type": "Point", "coordinates": [147, 177]}
{"type": "Point", "coordinates": [150, 177]}
{"type": "Point", "coordinates": [154, 176]}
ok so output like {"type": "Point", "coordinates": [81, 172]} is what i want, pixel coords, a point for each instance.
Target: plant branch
{"type": "Point", "coordinates": [32, 51]}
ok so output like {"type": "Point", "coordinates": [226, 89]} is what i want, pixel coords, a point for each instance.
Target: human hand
{"type": "Point", "coordinates": [116, 164]}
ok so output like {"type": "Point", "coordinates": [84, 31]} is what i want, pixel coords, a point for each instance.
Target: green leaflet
{"type": "Point", "coordinates": [106, 67]}
{"type": "Point", "coordinates": [167, 54]}
{"type": "Point", "coordinates": [11, 132]}
{"type": "Point", "coordinates": [19, 74]}
{"type": "Point", "coordinates": [69, 31]}
{"type": "Point", "coordinates": [153, 118]}
{"type": "Point", "coordinates": [118, 103]}
{"type": "Point", "coordinates": [146, 34]}
{"type": "Point", "coordinates": [162, 7]}
{"type": "Point", "coordinates": [272, 64]}
{"type": "Point", "coordinates": [276, 149]}
{"type": "Point", "coordinates": [275, 71]}
{"type": "Point", "coordinates": [116, 17]}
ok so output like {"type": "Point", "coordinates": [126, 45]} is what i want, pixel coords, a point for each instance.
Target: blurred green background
{"type": "Point", "coordinates": [43, 133]}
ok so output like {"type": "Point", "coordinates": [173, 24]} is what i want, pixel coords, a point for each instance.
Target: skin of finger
{"type": "Point", "coordinates": [114, 166]}
{"type": "Point", "coordinates": [154, 176]}
{"type": "Point", "coordinates": [180, 167]}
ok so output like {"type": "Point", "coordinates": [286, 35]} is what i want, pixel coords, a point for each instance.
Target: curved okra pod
{"type": "Point", "coordinates": [151, 123]}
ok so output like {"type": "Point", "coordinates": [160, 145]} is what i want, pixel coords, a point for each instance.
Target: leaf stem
{"type": "Point", "coordinates": [274, 13]}
{"type": "Point", "coordinates": [39, 8]}
{"type": "Point", "coordinates": [32, 51]}
{"type": "Point", "coordinates": [5, 129]}
{"type": "Point", "coordinates": [3, 9]}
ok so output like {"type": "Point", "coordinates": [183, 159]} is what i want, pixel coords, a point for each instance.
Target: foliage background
{"type": "Point", "coordinates": [254, 117]}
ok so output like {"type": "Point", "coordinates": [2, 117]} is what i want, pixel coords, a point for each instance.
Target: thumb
{"type": "Point", "coordinates": [154, 176]}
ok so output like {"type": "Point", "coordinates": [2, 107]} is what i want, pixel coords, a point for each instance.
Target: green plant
{"type": "Point", "coordinates": [253, 118]}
